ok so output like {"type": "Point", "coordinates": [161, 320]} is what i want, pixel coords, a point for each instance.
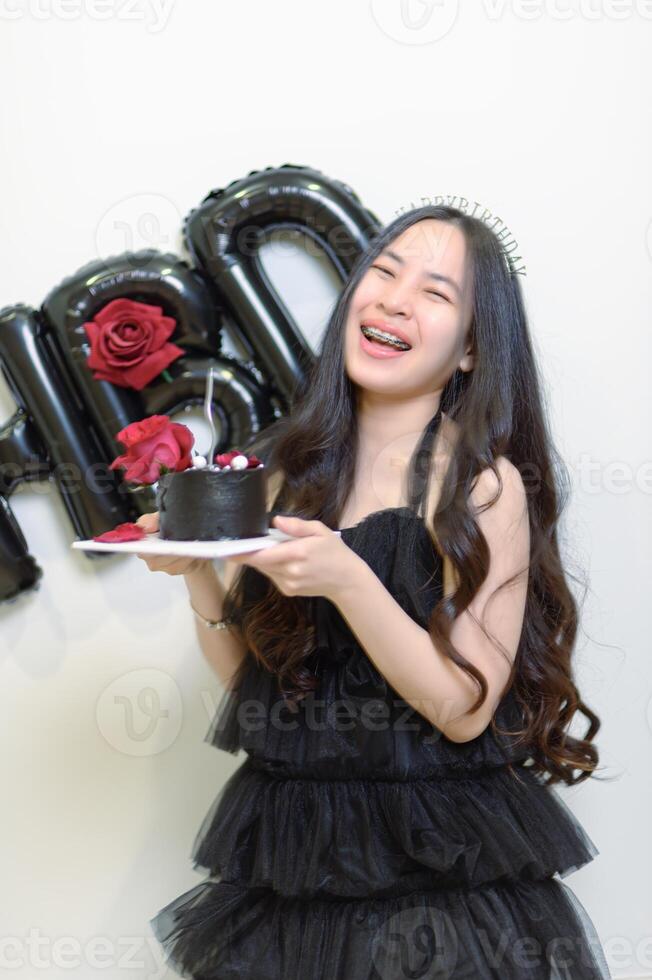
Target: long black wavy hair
{"type": "Point", "coordinates": [497, 408]}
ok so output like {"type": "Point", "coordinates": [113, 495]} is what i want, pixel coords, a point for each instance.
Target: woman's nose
{"type": "Point", "coordinates": [395, 297]}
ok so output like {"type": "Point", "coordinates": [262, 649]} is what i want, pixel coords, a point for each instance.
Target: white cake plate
{"type": "Point", "coordinates": [152, 544]}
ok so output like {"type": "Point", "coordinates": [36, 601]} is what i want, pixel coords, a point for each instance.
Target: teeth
{"type": "Point", "coordinates": [374, 333]}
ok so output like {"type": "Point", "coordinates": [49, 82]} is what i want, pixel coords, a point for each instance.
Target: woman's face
{"type": "Point", "coordinates": [419, 286]}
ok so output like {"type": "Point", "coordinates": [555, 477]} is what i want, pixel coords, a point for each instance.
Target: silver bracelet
{"type": "Point", "coordinates": [212, 624]}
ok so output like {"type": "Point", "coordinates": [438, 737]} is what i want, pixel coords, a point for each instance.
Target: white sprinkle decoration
{"type": "Point", "coordinates": [239, 463]}
{"type": "Point", "coordinates": [199, 462]}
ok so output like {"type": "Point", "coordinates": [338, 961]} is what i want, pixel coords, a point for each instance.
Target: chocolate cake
{"type": "Point", "coordinates": [213, 502]}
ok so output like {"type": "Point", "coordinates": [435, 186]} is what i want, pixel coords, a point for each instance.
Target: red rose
{"type": "Point", "coordinates": [224, 459]}
{"type": "Point", "coordinates": [122, 532]}
{"type": "Point", "coordinates": [129, 343]}
{"type": "Point", "coordinates": [154, 446]}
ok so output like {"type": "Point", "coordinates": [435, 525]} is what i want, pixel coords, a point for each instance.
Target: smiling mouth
{"type": "Point", "coordinates": [387, 339]}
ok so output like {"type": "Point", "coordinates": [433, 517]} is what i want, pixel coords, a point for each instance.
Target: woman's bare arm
{"type": "Point", "coordinates": [222, 648]}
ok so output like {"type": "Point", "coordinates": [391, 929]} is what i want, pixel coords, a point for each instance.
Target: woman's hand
{"type": "Point", "coordinates": [316, 562]}
{"type": "Point", "coordinates": [167, 563]}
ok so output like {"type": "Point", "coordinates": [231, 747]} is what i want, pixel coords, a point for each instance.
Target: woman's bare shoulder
{"type": "Point", "coordinates": [485, 485]}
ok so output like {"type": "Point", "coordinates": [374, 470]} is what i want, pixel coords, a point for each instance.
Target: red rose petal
{"type": "Point", "coordinates": [186, 441]}
{"type": "Point", "coordinates": [138, 375]}
{"type": "Point", "coordinates": [123, 308]}
{"type": "Point", "coordinates": [143, 429]}
{"type": "Point", "coordinates": [122, 532]}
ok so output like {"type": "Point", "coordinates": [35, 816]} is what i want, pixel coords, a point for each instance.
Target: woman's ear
{"type": "Point", "coordinates": [468, 361]}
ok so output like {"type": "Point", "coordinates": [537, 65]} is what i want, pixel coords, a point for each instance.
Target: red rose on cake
{"type": "Point", "coordinates": [154, 445]}
{"type": "Point", "coordinates": [129, 343]}
{"type": "Point", "coordinates": [198, 500]}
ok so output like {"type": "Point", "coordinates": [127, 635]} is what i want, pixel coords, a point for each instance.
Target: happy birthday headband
{"type": "Point", "coordinates": [508, 244]}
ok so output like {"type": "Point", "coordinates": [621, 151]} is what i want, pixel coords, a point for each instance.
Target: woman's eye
{"type": "Point", "coordinates": [431, 292]}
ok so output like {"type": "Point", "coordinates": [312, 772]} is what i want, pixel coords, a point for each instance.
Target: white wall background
{"type": "Point", "coordinates": [537, 110]}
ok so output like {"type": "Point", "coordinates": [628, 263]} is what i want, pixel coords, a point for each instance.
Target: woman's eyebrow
{"type": "Point", "coordinates": [429, 275]}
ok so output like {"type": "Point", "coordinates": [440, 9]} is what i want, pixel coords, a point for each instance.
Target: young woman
{"type": "Point", "coordinates": [399, 672]}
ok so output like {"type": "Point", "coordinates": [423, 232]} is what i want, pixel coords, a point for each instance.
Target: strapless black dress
{"type": "Point", "coordinates": [360, 843]}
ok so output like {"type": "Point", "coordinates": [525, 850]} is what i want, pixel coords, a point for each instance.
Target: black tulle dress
{"type": "Point", "coordinates": [360, 843]}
